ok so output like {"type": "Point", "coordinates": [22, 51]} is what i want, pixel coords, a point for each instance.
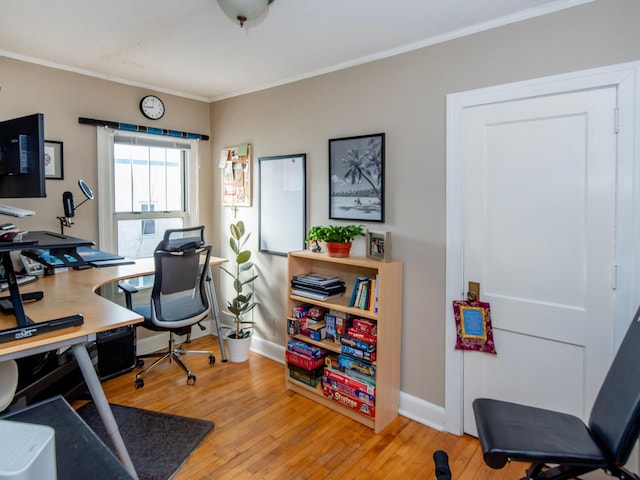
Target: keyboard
{"type": "Point", "coordinates": [15, 211]}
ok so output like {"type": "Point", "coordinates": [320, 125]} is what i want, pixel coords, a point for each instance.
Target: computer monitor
{"type": "Point", "coordinates": [22, 157]}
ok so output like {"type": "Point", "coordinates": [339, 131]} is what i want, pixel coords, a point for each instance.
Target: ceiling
{"type": "Point", "coordinates": [190, 48]}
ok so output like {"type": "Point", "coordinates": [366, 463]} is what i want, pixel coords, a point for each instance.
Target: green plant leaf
{"type": "Point", "coordinates": [250, 280]}
{"type": "Point", "coordinates": [243, 257]}
{"type": "Point", "coordinates": [235, 231]}
{"type": "Point", "coordinates": [240, 227]}
{"type": "Point", "coordinates": [234, 245]}
{"type": "Point", "coordinates": [245, 240]}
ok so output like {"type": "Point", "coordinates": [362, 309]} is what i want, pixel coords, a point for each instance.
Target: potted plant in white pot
{"type": "Point", "coordinates": [239, 339]}
{"type": "Point", "coordinates": [337, 238]}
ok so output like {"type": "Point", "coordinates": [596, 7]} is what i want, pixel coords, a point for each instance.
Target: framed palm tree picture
{"type": "Point", "coordinates": [356, 178]}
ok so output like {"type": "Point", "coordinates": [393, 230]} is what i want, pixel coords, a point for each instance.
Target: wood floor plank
{"type": "Point", "coordinates": [263, 431]}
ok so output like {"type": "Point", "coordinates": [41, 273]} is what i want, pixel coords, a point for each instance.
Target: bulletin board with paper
{"type": "Point", "coordinates": [235, 163]}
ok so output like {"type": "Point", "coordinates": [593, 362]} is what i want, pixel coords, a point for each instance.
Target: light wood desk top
{"type": "Point", "coordinates": [72, 292]}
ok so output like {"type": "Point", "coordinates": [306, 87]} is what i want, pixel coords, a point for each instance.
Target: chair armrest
{"type": "Point", "coordinates": [128, 290]}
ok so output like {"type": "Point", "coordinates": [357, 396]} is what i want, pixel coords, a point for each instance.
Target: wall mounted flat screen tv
{"type": "Point", "coordinates": [22, 157]}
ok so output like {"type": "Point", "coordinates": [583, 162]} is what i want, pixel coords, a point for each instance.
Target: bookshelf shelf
{"type": "Point", "coordinates": [388, 320]}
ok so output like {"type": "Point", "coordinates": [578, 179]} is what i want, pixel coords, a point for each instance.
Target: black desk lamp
{"type": "Point", "coordinates": [70, 207]}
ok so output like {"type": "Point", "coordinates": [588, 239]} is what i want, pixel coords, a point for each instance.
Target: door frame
{"type": "Point", "coordinates": [626, 78]}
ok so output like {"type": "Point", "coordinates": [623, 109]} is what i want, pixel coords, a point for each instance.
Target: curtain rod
{"type": "Point", "coordinates": [130, 127]}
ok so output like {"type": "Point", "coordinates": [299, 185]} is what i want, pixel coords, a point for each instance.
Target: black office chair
{"type": "Point", "coordinates": [178, 297]}
{"type": "Point", "coordinates": [510, 431]}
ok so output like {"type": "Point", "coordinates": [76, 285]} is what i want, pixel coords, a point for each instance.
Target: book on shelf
{"type": "Point", "coordinates": [364, 297]}
{"type": "Point", "coordinates": [375, 296]}
{"type": "Point", "coordinates": [329, 289]}
{"type": "Point", "coordinates": [316, 279]}
{"type": "Point", "coordinates": [356, 293]}
{"type": "Point", "coordinates": [315, 295]}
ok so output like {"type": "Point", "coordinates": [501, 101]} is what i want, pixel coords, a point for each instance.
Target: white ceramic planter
{"type": "Point", "coordinates": [238, 348]}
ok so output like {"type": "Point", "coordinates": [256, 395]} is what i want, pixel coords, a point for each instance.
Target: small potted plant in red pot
{"type": "Point", "coordinates": [337, 238]}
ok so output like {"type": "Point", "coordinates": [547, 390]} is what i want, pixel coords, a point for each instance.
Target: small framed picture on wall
{"type": "Point", "coordinates": [53, 167]}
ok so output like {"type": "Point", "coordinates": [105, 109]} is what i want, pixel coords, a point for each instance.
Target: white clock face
{"type": "Point", "coordinates": [152, 107]}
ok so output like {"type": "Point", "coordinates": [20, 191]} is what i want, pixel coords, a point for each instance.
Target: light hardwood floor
{"type": "Point", "coordinates": [263, 431]}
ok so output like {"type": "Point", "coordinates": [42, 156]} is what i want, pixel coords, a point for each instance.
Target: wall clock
{"type": "Point", "coordinates": [152, 107]}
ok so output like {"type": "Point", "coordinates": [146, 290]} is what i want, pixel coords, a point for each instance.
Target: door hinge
{"type": "Point", "coordinates": [616, 120]}
{"type": "Point", "coordinates": [614, 277]}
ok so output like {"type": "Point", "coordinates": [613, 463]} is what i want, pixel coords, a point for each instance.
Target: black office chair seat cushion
{"type": "Point", "coordinates": [171, 309]}
{"type": "Point", "coordinates": [519, 432]}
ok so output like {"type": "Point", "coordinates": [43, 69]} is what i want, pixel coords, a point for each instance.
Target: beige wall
{"type": "Point", "coordinates": [63, 97]}
{"type": "Point", "coordinates": [404, 97]}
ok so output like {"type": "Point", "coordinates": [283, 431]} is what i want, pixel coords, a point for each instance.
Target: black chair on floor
{"type": "Point", "coordinates": [514, 432]}
{"type": "Point", "coordinates": [178, 297]}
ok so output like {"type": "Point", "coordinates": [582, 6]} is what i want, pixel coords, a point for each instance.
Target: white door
{"type": "Point", "coordinates": [539, 236]}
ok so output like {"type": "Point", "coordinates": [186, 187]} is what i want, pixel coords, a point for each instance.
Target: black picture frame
{"type": "Point", "coordinates": [53, 160]}
{"type": "Point", "coordinates": [283, 203]}
{"type": "Point", "coordinates": [356, 178]}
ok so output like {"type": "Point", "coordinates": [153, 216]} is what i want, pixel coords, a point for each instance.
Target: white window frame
{"type": "Point", "coordinates": [107, 232]}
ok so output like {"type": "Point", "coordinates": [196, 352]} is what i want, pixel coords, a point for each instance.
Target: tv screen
{"type": "Point", "coordinates": [22, 157]}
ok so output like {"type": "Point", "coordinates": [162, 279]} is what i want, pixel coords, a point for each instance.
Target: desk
{"type": "Point", "coordinates": [73, 292]}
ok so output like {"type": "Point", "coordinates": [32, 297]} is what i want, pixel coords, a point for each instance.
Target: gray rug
{"type": "Point", "coordinates": [158, 443]}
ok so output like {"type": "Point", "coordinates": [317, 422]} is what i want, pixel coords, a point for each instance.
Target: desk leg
{"type": "Point", "coordinates": [102, 405]}
{"type": "Point", "coordinates": [216, 315]}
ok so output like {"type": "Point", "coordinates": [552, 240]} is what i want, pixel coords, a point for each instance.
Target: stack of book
{"type": "Point", "coordinates": [365, 293]}
{"type": "Point", "coordinates": [318, 287]}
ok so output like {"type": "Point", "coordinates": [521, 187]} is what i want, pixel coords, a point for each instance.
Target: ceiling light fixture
{"type": "Point", "coordinates": [244, 10]}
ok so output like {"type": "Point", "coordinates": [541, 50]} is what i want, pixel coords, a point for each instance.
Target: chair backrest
{"type": "Point", "coordinates": [181, 239]}
{"type": "Point", "coordinates": [615, 417]}
{"type": "Point", "coordinates": [179, 295]}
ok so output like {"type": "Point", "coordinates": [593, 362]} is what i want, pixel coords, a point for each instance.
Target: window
{"type": "Point", "coordinates": [149, 224]}
{"type": "Point", "coordinates": [149, 182]}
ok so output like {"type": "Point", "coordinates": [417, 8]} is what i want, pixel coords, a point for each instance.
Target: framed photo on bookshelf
{"type": "Point", "coordinates": [378, 245]}
{"type": "Point", "coordinates": [356, 178]}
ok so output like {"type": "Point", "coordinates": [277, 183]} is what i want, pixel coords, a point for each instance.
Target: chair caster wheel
{"type": "Point", "coordinates": [139, 363]}
{"type": "Point", "coordinates": [191, 379]}
{"type": "Point", "coordinates": [212, 359]}
{"type": "Point", "coordinates": [139, 383]}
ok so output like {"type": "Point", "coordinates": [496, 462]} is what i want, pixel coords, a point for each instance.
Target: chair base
{"type": "Point", "coordinates": [173, 353]}
{"type": "Point", "coordinates": [563, 472]}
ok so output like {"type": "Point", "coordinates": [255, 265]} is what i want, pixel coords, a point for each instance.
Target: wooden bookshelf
{"type": "Point", "coordinates": [389, 323]}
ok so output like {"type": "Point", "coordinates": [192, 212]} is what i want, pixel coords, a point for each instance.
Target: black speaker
{"type": "Point", "coordinates": [116, 351]}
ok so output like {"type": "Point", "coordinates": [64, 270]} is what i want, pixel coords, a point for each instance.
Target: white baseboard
{"type": "Point", "coordinates": [422, 411]}
{"type": "Point", "coordinates": [268, 349]}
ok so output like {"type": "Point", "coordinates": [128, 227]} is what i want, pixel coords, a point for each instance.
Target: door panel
{"type": "Point", "coordinates": [538, 386]}
{"type": "Point", "coordinates": [539, 236]}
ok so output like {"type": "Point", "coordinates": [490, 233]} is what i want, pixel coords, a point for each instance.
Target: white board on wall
{"type": "Point", "coordinates": [283, 203]}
